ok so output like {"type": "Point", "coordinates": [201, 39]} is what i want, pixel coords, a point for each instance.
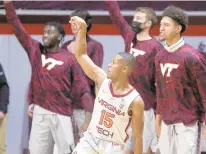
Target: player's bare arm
{"type": "Point", "coordinates": [204, 126]}
{"type": "Point", "coordinates": [158, 121]}
{"type": "Point", "coordinates": [91, 70]}
{"type": "Point", "coordinates": [85, 125]}
{"type": "Point", "coordinates": [137, 109]}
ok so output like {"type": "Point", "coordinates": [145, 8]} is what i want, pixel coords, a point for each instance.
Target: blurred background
{"type": "Point", "coordinates": [34, 15]}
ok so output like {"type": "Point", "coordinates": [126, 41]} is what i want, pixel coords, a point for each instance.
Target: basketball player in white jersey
{"type": "Point", "coordinates": [116, 105]}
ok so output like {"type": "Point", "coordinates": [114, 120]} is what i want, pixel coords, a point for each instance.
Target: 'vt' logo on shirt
{"type": "Point", "coordinates": [169, 67]}
{"type": "Point", "coordinates": [136, 52]}
{"type": "Point", "coordinates": [52, 62]}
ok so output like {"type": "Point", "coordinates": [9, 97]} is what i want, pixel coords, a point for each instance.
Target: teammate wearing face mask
{"type": "Point", "coordinates": [144, 47]}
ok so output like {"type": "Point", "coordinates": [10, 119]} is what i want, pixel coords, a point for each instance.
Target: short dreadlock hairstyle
{"type": "Point", "coordinates": [59, 27]}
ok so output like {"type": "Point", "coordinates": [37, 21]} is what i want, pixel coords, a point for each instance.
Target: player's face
{"type": "Point", "coordinates": [115, 68]}
{"type": "Point", "coordinates": [168, 28]}
{"type": "Point", "coordinates": [51, 36]}
{"type": "Point", "coordinates": [141, 18]}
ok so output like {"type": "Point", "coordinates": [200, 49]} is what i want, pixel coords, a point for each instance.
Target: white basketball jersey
{"type": "Point", "coordinates": [110, 119]}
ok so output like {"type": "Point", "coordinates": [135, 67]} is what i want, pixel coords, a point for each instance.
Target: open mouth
{"type": "Point", "coordinates": [45, 40]}
{"type": "Point", "coordinates": [161, 35]}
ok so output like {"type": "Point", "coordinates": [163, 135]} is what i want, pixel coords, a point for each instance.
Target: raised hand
{"type": "Point", "coordinates": [2, 115]}
{"type": "Point", "coordinates": [30, 110]}
{"type": "Point", "coordinates": [78, 23]}
{"type": "Point", "coordinates": [7, 1]}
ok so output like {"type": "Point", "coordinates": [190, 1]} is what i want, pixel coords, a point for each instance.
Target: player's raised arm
{"type": "Point", "coordinates": [117, 19]}
{"type": "Point", "coordinates": [91, 70]}
{"type": "Point", "coordinates": [24, 38]}
{"type": "Point", "coordinates": [137, 108]}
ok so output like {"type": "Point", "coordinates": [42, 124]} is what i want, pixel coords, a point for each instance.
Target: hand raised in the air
{"type": "Point", "coordinates": [78, 23]}
{"type": "Point", "coordinates": [7, 1]}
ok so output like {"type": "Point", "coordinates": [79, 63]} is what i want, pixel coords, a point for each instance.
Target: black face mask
{"type": "Point", "coordinates": [136, 26]}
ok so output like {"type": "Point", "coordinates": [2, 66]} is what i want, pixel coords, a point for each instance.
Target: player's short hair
{"type": "Point", "coordinates": [178, 15]}
{"type": "Point", "coordinates": [129, 58]}
{"type": "Point", "coordinates": [58, 26]}
{"type": "Point", "coordinates": [150, 14]}
{"type": "Point", "coordinates": [84, 14]}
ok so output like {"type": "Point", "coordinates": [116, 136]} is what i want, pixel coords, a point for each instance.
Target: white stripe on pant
{"type": "Point", "coordinates": [49, 128]}
{"type": "Point", "coordinates": [178, 139]}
